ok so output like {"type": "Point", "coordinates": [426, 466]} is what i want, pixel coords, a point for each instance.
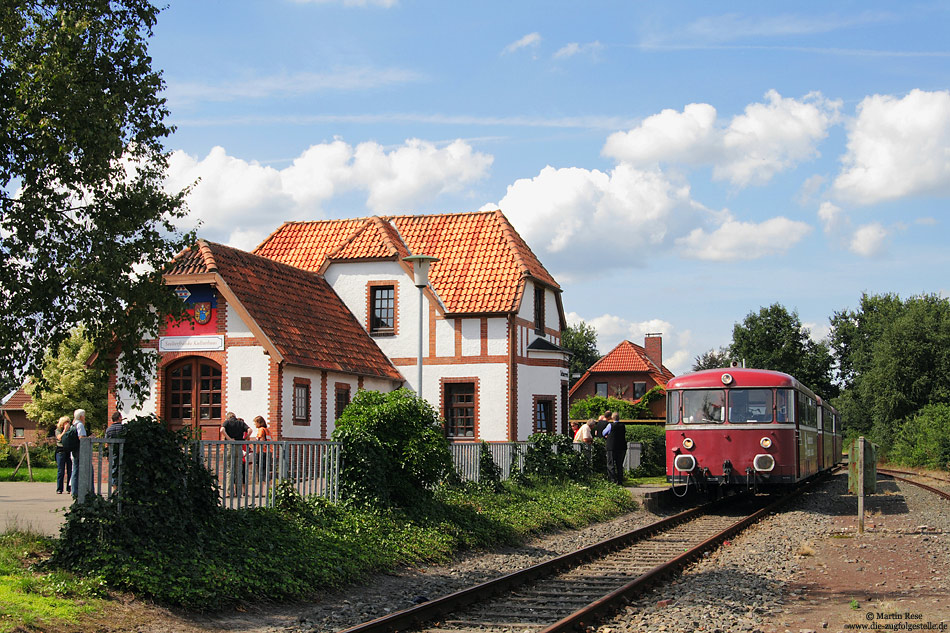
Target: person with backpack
{"type": "Point", "coordinates": [234, 428]}
{"type": "Point", "coordinates": [79, 427]}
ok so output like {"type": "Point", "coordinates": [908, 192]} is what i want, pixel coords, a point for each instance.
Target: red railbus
{"type": "Point", "coordinates": [746, 428]}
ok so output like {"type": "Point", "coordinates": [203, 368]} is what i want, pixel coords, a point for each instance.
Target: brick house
{"type": "Point", "coordinates": [491, 314]}
{"type": "Point", "coordinates": [627, 372]}
{"type": "Point", "coordinates": [268, 339]}
{"type": "Point", "coordinates": [17, 427]}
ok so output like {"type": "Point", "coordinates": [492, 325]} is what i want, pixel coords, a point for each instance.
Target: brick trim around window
{"type": "Point", "coordinates": [444, 406]}
{"type": "Point", "coordinates": [552, 423]}
{"type": "Point", "coordinates": [370, 287]}
{"type": "Point", "coordinates": [297, 405]}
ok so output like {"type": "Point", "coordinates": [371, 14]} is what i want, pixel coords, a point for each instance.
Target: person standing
{"type": "Point", "coordinates": [115, 429]}
{"type": "Point", "coordinates": [260, 433]}
{"type": "Point", "coordinates": [582, 434]}
{"type": "Point", "coordinates": [616, 435]}
{"type": "Point", "coordinates": [235, 429]}
{"type": "Point", "coordinates": [79, 422]}
{"type": "Point", "coordinates": [64, 461]}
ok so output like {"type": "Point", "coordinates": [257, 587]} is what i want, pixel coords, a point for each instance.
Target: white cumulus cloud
{"type": "Point", "coordinates": [575, 48]}
{"type": "Point", "coordinates": [612, 329]}
{"type": "Point", "coordinates": [897, 147]}
{"type": "Point", "coordinates": [586, 220]}
{"type": "Point", "coordinates": [766, 139]}
{"type": "Point", "coordinates": [238, 201]}
{"type": "Point", "coordinates": [869, 240]}
{"type": "Point", "coordinates": [734, 240]}
{"type": "Point", "coordinates": [831, 217]}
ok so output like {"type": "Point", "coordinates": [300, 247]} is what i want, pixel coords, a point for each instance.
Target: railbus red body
{"type": "Point", "coordinates": [748, 428]}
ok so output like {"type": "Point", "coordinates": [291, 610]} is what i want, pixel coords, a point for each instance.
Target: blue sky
{"type": "Point", "coordinates": [675, 165]}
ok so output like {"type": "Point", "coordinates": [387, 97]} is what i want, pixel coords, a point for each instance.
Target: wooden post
{"type": "Point", "coordinates": [861, 485]}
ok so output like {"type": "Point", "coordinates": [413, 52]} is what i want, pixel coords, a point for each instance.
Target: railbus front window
{"type": "Point", "coordinates": [750, 405]}
{"type": "Point", "coordinates": [704, 406]}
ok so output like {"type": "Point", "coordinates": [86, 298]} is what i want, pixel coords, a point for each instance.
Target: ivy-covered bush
{"type": "Point", "coordinates": [595, 406]}
{"type": "Point", "coordinates": [924, 439]}
{"type": "Point", "coordinates": [553, 457]}
{"type": "Point", "coordinates": [393, 449]}
{"type": "Point", "coordinates": [653, 448]}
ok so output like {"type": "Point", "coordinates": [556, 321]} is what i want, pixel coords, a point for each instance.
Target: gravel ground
{"type": "Point", "coordinates": [800, 570]}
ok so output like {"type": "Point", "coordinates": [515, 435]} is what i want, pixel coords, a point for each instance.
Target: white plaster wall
{"type": "Point", "coordinates": [126, 405]}
{"type": "Point", "coordinates": [471, 337]}
{"type": "Point", "coordinates": [526, 309]}
{"type": "Point", "coordinates": [497, 337]}
{"type": "Point", "coordinates": [253, 363]}
{"type": "Point", "coordinates": [288, 429]}
{"type": "Point", "coordinates": [551, 318]}
{"type": "Point", "coordinates": [541, 381]}
{"type": "Point", "coordinates": [236, 325]}
{"type": "Point", "coordinates": [332, 379]}
{"type": "Point", "coordinates": [349, 281]}
{"type": "Point", "coordinates": [383, 385]}
{"type": "Point", "coordinates": [492, 394]}
{"type": "Point", "coordinates": [444, 337]}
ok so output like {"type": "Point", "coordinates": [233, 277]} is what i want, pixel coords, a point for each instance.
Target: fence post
{"type": "Point", "coordinates": [84, 479]}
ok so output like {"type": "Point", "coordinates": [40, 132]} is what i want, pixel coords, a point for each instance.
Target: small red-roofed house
{"type": "Point", "coordinates": [491, 313]}
{"type": "Point", "coordinates": [269, 339]}
{"type": "Point", "coordinates": [627, 372]}
{"type": "Point", "coordinates": [16, 425]}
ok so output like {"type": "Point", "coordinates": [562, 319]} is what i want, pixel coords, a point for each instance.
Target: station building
{"type": "Point", "coordinates": [321, 309]}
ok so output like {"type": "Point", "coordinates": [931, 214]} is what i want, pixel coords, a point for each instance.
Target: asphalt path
{"type": "Point", "coordinates": [33, 506]}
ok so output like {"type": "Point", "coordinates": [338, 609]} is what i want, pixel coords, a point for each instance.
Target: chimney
{"type": "Point", "coordinates": [653, 344]}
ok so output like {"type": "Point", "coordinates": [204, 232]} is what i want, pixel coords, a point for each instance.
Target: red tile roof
{"type": "Point", "coordinates": [16, 401]}
{"type": "Point", "coordinates": [483, 260]}
{"type": "Point", "coordinates": [296, 310]}
{"type": "Point", "coordinates": [627, 357]}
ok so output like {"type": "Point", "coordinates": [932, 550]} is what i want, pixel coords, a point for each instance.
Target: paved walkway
{"type": "Point", "coordinates": [34, 506]}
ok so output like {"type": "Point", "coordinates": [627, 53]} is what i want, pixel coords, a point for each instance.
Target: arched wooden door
{"type": "Point", "coordinates": [193, 393]}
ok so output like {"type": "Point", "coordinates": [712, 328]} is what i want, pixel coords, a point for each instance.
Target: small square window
{"type": "Point", "coordinates": [600, 389]}
{"type": "Point", "coordinates": [18, 433]}
{"type": "Point", "coordinates": [245, 383]}
{"type": "Point", "coordinates": [301, 403]}
{"type": "Point", "coordinates": [639, 389]}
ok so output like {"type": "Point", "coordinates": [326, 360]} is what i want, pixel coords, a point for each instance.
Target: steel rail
{"type": "Point", "coordinates": [936, 491]}
{"type": "Point", "coordinates": [587, 615]}
{"type": "Point", "coordinates": [414, 617]}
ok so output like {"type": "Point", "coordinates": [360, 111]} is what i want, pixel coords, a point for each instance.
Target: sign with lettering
{"type": "Point", "coordinates": [207, 343]}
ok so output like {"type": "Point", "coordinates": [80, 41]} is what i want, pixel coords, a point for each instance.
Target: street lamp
{"type": "Point", "coordinates": [420, 270]}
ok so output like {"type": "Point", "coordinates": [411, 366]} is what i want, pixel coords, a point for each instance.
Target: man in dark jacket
{"type": "Point", "coordinates": [234, 428]}
{"type": "Point", "coordinates": [615, 433]}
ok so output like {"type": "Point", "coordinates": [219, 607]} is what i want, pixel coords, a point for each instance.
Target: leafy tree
{"type": "Point", "coordinates": [393, 450]}
{"type": "Point", "coordinates": [894, 357]}
{"type": "Point", "coordinates": [774, 338]}
{"type": "Point", "coordinates": [713, 359]}
{"type": "Point", "coordinates": [70, 385]}
{"type": "Point", "coordinates": [595, 406]}
{"type": "Point", "coordinates": [924, 439]}
{"type": "Point", "coordinates": [581, 340]}
{"type": "Point", "coordinates": [86, 226]}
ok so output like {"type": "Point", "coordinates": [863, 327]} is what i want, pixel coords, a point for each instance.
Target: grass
{"type": "Point", "coordinates": [646, 481]}
{"type": "Point", "coordinates": [44, 474]}
{"type": "Point", "coordinates": [31, 600]}
{"type": "Point", "coordinates": [333, 538]}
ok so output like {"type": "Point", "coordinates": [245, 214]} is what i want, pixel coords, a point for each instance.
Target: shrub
{"type": "Point", "coordinates": [489, 473]}
{"type": "Point", "coordinates": [553, 457]}
{"type": "Point", "coordinates": [653, 449]}
{"type": "Point", "coordinates": [924, 439]}
{"type": "Point", "coordinates": [393, 449]}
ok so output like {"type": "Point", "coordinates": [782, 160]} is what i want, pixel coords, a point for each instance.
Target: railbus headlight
{"type": "Point", "coordinates": [684, 463]}
{"type": "Point", "coordinates": [765, 442]}
{"type": "Point", "coordinates": [763, 463]}
{"type": "Point", "coordinates": [688, 444]}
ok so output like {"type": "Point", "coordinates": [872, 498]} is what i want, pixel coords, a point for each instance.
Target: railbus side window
{"type": "Point", "coordinates": [673, 407]}
{"type": "Point", "coordinates": [704, 406]}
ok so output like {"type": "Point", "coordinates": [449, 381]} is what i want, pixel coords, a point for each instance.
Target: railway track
{"type": "Point", "coordinates": [573, 591]}
{"type": "Point", "coordinates": [905, 477]}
